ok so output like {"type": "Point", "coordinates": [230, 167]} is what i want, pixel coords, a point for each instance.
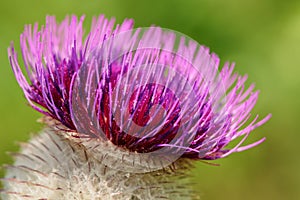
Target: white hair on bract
{"type": "Point", "coordinates": [54, 165]}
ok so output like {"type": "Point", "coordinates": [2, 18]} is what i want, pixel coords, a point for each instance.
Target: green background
{"type": "Point", "coordinates": [261, 36]}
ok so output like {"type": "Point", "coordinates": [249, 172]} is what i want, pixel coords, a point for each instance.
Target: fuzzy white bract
{"type": "Point", "coordinates": [51, 166]}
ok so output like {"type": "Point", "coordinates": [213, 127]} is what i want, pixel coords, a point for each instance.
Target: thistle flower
{"type": "Point", "coordinates": [123, 109]}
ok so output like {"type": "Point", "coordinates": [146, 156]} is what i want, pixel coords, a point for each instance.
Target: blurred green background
{"type": "Point", "coordinates": [261, 36]}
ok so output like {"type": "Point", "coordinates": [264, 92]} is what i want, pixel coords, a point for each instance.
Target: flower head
{"type": "Point", "coordinates": [145, 90]}
{"type": "Point", "coordinates": [120, 102]}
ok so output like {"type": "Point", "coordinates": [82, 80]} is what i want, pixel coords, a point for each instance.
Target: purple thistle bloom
{"type": "Point", "coordinates": [74, 81]}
